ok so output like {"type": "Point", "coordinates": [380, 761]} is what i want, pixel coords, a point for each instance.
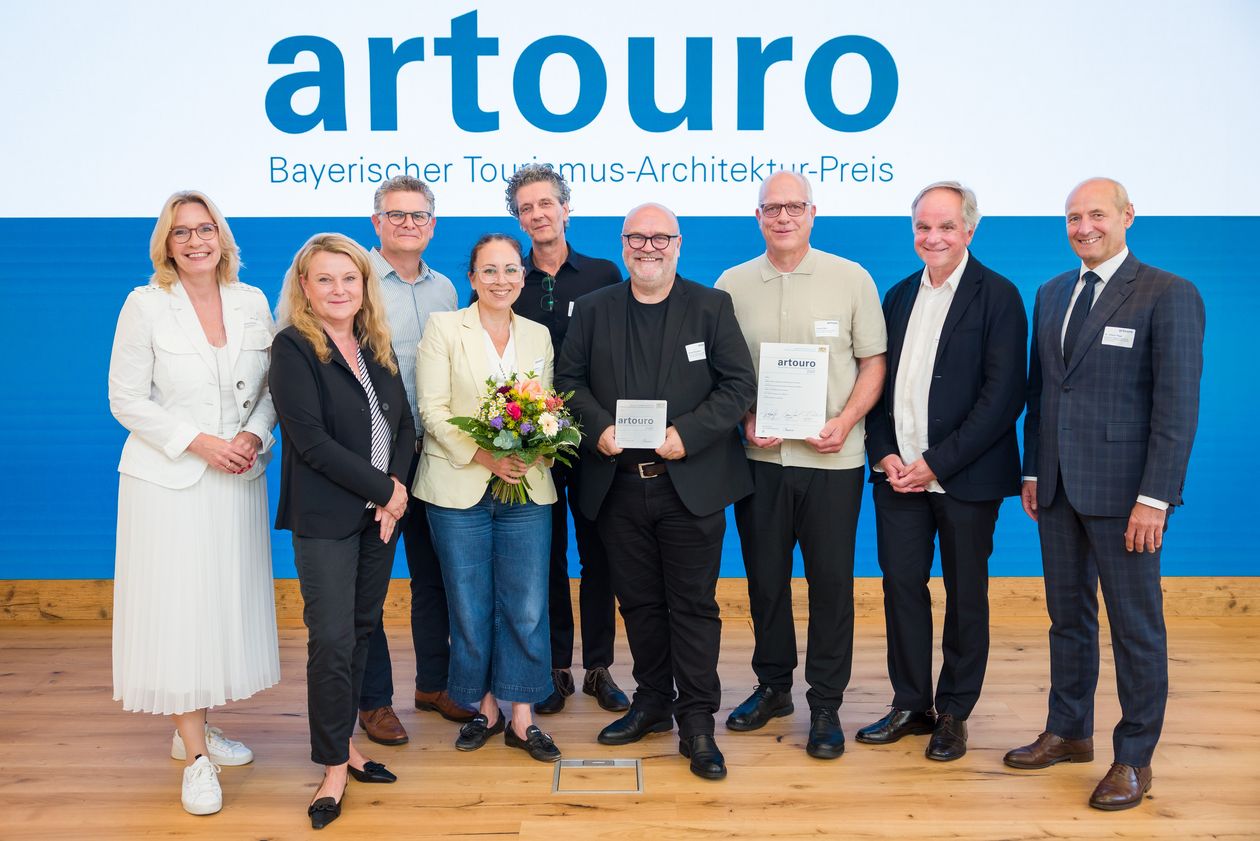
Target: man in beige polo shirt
{"type": "Point", "coordinates": [809, 490]}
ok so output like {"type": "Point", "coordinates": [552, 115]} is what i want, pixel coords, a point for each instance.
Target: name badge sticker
{"type": "Point", "coordinates": [695, 351]}
{"type": "Point", "coordinates": [539, 364]}
{"type": "Point", "coordinates": [571, 303]}
{"type": "Point", "coordinates": [1118, 336]}
{"type": "Point", "coordinates": [826, 328]}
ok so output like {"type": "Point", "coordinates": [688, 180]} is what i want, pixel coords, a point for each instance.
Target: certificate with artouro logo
{"type": "Point", "coordinates": [641, 424]}
{"type": "Point", "coordinates": [791, 391]}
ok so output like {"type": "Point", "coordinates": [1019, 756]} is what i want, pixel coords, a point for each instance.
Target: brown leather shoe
{"type": "Point", "coordinates": [1122, 788]}
{"type": "Point", "coordinates": [382, 726]}
{"type": "Point", "coordinates": [444, 705]}
{"type": "Point", "coordinates": [1049, 749]}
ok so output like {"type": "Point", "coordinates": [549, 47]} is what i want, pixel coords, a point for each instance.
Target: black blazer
{"type": "Point", "coordinates": [977, 391]}
{"type": "Point", "coordinates": [326, 472]}
{"type": "Point", "coordinates": [707, 398]}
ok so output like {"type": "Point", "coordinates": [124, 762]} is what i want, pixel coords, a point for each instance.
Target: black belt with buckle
{"type": "Point", "coordinates": [651, 469]}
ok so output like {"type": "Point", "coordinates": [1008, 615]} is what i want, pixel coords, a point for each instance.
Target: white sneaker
{"type": "Point", "coordinates": [201, 794]}
{"type": "Point", "coordinates": [223, 751]}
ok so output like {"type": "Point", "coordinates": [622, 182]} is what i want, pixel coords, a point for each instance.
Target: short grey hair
{"type": "Point", "coordinates": [532, 174]}
{"type": "Point", "coordinates": [402, 184]}
{"type": "Point", "coordinates": [970, 209]}
{"type": "Point", "coordinates": [809, 188]}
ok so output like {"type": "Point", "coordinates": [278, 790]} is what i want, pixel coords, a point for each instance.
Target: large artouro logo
{"type": "Point", "coordinates": [465, 48]}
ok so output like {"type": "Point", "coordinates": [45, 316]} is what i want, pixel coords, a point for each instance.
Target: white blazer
{"type": "Point", "coordinates": [451, 374]}
{"type": "Point", "coordinates": [163, 380]}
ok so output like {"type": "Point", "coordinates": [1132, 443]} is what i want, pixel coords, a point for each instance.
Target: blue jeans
{"type": "Point", "coordinates": [494, 560]}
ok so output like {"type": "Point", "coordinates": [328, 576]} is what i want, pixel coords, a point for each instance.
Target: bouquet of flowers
{"type": "Point", "coordinates": [521, 418]}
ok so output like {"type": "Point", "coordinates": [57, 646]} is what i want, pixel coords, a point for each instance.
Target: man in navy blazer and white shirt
{"type": "Point", "coordinates": [1113, 403]}
{"type": "Point", "coordinates": [943, 454]}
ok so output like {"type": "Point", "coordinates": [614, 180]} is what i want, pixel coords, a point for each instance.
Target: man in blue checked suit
{"type": "Point", "coordinates": [1113, 402]}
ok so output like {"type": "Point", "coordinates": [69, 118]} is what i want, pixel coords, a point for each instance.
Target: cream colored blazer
{"type": "Point", "coordinates": [451, 373]}
{"type": "Point", "coordinates": [163, 380]}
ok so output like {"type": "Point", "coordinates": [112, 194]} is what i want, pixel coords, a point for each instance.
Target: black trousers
{"type": "Point", "coordinates": [907, 526]}
{"type": "Point", "coordinates": [1079, 552]}
{"type": "Point", "coordinates": [430, 618]}
{"type": "Point", "coordinates": [343, 587]}
{"type": "Point", "coordinates": [819, 509]}
{"type": "Point", "coordinates": [595, 593]}
{"type": "Point", "coordinates": [664, 562]}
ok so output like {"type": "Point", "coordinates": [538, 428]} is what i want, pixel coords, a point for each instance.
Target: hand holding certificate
{"type": "Point", "coordinates": [791, 391]}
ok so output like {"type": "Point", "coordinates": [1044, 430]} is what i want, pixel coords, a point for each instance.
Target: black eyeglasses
{"type": "Point", "coordinates": [793, 208]}
{"type": "Point", "coordinates": [206, 231]}
{"type": "Point", "coordinates": [659, 241]}
{"type": "Point", "coordinates": [548, 299]}
{"type": "Point", "coordinates": [397, 217]}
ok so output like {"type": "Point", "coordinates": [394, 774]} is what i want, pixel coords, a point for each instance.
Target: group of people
{"type": "Point", "coordinates": [369, 357]}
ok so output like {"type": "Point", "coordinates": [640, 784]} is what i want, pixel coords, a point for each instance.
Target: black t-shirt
{"type": "Point", "coordinates": [645, 333]}
{"type": "Point", "coordinates": [577, 276]}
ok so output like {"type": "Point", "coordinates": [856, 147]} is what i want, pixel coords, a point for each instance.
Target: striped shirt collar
{"type": "Point", "coordinates": [387, 272]}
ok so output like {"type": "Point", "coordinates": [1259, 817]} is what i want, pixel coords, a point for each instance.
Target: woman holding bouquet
{"type": "Point", "coordinates": [494, 554]}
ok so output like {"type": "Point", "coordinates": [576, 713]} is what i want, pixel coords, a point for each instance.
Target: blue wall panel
{"type": "Point", "coordinates": [66, 279]}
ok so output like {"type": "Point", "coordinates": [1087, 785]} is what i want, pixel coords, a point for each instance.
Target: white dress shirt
{"type": "Point", "coordinates": [501, 366]}
{"type": "Point", "coordinates": [914, 369]}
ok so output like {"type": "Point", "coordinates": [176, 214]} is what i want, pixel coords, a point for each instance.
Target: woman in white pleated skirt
{"type": "Point", "coordinates": [194, 611]}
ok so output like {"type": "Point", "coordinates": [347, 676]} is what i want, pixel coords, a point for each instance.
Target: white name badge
{"type": "Point", "coordinates": [1118, 336]}
{"type": "Point", "coordinates": [695, 351]}
{"type": "Point", "coordinates": [571, 303]}
{"type": "Point", "coordinates": [640, 424]}
{"type": "Point", "coordinates": [791, 391]}
{"type": "Point", "coordinates": [824, 329]}
{"type": "Point", "coordinates": [539, 364]}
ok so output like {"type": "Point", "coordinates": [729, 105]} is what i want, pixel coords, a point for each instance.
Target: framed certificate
{"type": "Point", "coordinates": [641, 424]}
{"type": "Point", "coordinates": [791, 391]}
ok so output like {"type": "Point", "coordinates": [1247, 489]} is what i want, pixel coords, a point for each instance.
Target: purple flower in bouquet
{"type": "Point", "coordinates": [527, 428]}
{"type": "Point", "coordinates": [496, 422]}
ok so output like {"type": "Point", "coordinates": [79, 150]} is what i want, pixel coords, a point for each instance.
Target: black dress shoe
{"type": "Point", "coordinates": [373, 772]}
{"type": "Point", "coordinates": [562, 680]}
{"type": "Point", "coordinates": [896, 724]}
{"type": "Point", "coordinates": [949, 739]}
{"type": "Point", "coordinates": [706, 760]}
{"type": "Point", "coordinates": [536, 743]}
{"type": "Point", "coordinates": [765, 703]}
{"type": "Point", "coordinates": [826, 739]}
{"type": "Point", "coordinates": [599, 683]}
{"type": "Point", "coordinates": [633, 726]}
{"type": "Point", "coordinates": [475, 733]}
{"type": "Point", "coordinates": [323, 811]}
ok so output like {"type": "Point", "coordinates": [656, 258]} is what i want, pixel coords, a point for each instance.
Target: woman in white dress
{"type": "Point", "coordinates": [194, 610]}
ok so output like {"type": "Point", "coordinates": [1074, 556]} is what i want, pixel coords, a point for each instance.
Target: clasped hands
{"type": "Point", "coordinates": [235, 456]}
{"type": "Point", "coordinates": [907, 478]}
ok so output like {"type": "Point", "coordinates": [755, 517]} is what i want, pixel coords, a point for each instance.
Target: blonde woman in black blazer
{"type": "Point", "coordinates": [348, 436]}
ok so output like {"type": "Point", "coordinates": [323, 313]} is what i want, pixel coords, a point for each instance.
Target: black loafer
{"type": "Point", "coordinates": [536, 743]}
{"type": "Point", "coordinates": [826, 739]}
{"type": "Point", "coordinates": [765, 703]}
{"type": "Point", "coordinates": [706, 760]}
{"type": "Point", "coordinates": [599, 683]}
{"type": "Point", "coordinates": [373, 772]}
{"type": "Point", "coordinates": [475, 733]}
{"type": "Point", "coordinates": [632, 727]}
{"type": "Point", "coordinates": [895, 725]}
{"type": "Point", "coordinates": [562, 681]}
{"type": "Point", "coordinates": [949, 739]}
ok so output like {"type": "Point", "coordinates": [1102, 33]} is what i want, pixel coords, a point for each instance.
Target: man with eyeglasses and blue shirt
{"type": "Point", "coordinates": [806, 491]}
{"type": "Point", "coordinates": [411, 289]}
{"type": "Point", "coordinates": [556, 276]}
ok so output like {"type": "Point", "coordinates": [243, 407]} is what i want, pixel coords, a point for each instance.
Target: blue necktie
{"type": "Point", "coordinates": [1080, 311]}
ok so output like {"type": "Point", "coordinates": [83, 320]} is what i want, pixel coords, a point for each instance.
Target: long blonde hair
{"type": "Point", "coordinates": [164, 274]}
{"type": "Point", "coordinates": [370, 326]}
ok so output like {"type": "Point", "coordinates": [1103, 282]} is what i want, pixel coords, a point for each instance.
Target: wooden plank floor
{"type": "Point", "coordinates": [76, 767]}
